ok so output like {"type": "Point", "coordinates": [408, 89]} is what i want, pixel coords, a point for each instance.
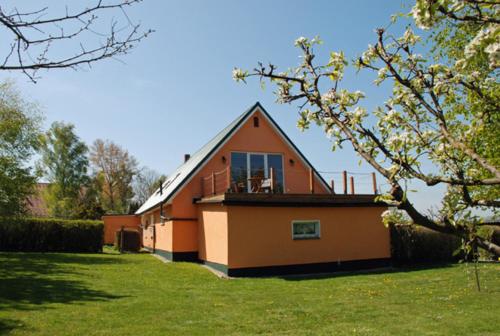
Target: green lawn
{"type": "Point", "coordinates": [105, 294]}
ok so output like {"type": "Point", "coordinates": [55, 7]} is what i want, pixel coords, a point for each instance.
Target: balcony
{"type": "Point", "coordinates": [221, 182]}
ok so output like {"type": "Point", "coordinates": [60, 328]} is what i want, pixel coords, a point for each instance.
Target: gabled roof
{"type": "Point", "coordinates": [183, 174]}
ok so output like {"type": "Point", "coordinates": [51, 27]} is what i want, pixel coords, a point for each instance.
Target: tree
{"type": "Point", "coordinates": [114, 171]}
{"type": "Point", "coordinates": [443, 111]}
{"type": "Point", "coordinates": [19, 131]}
{"type": "Point", "coordinates": [145, 183]}
{"type": "Point", "coordinates": [65, 163]}
{"type": "Point", "coordinates": [36, 34]}
{"type": "Point", "coordinates": [89, 205]}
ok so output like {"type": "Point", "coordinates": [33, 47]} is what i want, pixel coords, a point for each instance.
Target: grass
{"type": "Point", "coordinates": [136, 294]}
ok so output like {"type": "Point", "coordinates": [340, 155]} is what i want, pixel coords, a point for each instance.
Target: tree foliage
{"type": "Point", "coordinates": [65, 164]}
{"type": "Point", "coordinates": [145, 183]}
{"type": "Point", "coordinates": [114, 172]}
{"type": "Point", "coordinates": [19, 131]}
{"type": "Point", "coordinates": [443, 110]}
{"type": "Point", "coordinates": [89, 203]}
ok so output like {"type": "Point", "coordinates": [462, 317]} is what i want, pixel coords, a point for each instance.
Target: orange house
{"type": "Point", "coordinates": [249, 203]}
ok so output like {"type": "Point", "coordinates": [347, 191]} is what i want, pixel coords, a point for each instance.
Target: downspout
{"type": "Point", "coordinates": [154, 238]}
{"type": "Point", "coordinates": [161, 218]}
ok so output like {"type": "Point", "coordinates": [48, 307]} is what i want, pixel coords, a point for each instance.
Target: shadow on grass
{"type": "Point", "coordinates": [31, 281]}
{"type": "Point", "coordinates": [7, 325]}
{"type": "Point", "coordinates": [385, 270]}
{"type": "Point", "coordinates": [49, 263]}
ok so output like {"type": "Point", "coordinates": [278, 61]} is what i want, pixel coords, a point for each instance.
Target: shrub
{"type": "Point", "coordinates": [50, 235]}
{"type": "Point", "coordinates": [414, 244]}
{"type": "Point", "coordinates": [131, 240]}
{"type": "Point", "coordinates": [491, 232]}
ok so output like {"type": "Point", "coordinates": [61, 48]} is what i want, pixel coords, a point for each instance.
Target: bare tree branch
{"type": "Point", "coordinates": [32, 32]}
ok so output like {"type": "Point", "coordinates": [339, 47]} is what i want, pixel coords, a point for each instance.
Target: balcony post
{"type": "Point", "coordinates": [352, 185]}
{"type": "Point", "coordinates": [311, 181]}
{"type": "Point", "coordinates": [271, 173]}
{"type": "Point", "coordinates": [228, 179]}
{"type": "Point", "coordinates": [344, 180]}
{"type": "Point", "coordinates": [202, 186]}
{"type": "Point", "coordinates": [374, 180]}
{"type": "Point", "coordinates": [332, 182]}
{"type": "Point", "coordinates": [213, 183]}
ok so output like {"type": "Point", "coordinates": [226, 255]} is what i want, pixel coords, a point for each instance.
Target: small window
{"type": "Point", "coordinates": [255, 122]}
{"type": "Point", "coordinates": [305, 229]}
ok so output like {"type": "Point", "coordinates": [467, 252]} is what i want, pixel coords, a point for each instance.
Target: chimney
{"type": "Point", "coordinates": [186, 157]}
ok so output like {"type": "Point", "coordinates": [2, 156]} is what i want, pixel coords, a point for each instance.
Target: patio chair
{"type": "Point", "coordinates": [237, 187]}
{"type": "Point", "coordinates": [260, 184]}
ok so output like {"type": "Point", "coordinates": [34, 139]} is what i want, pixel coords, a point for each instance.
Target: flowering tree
{"type": "Point", "coordinates": [443, 110]}
{"type": "Point", "coordinates": [48, 39]}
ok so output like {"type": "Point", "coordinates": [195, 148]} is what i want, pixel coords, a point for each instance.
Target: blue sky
{"type": "Point", "coordinates": [175, 91]}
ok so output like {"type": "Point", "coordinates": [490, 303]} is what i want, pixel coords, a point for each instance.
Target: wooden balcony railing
{"type": "Point", "coordinates": [216, 183]}
{"type": "Point", "coordinates": [220, 182]}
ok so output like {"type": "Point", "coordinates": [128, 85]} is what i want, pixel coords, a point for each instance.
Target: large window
{"type": "Point", "coordinates": [248, 167]}
{"type": "Point", "coordinates": [305, 229]}
{"type": "Point", "coordinates": [239, 173]}
{"type": "Point", "coordinates": [275, 161]}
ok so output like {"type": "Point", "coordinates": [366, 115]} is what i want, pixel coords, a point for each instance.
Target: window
{"type": "Point", "coordinates": [245, 166]}
{"type": "Point", "coordinates": [239, 171]}
{"type": "Point", "coordinates": [255, 121]}
{"type": "Point", "coordinates": [275, 161]}
{"type": "Point", "coordinates": [305, 229]}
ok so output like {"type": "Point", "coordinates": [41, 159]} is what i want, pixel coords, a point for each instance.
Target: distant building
{"type": "Point", "coordinates": [35, 204]}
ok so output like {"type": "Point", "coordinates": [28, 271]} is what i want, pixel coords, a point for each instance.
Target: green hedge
{"type": "Point", "coordinates": [50, 235]}
{"type": "Point", "coordinates": [414, 244]}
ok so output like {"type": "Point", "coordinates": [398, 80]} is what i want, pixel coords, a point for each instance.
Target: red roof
{"type": "Point", "coordinates": [35, 203]}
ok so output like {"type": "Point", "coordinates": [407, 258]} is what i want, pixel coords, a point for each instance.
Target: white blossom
{"type": "Point", "coordinates": [301, 40]}
{"type": "Point", "coordinates": [239, 75]}
{"type": "Point", "coordinates": [410, 37]}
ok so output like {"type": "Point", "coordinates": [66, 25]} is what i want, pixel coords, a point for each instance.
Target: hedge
{"type": "Point", "coordinates": [414, 244]}
{"type": "Point", "coordinates": [50, 235]}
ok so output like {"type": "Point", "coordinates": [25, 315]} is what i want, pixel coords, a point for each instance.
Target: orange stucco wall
{"type": "Point", "coordinates": [164, 240]}
{"type": "Point", "coordinates": [213, 234]}
{"type": "Point", "coordinates": [185, 236]}
{"type": "Point", "coordinates": [262, 236]}
{"type": "Point", "coordinates": [113, 223]}
{"type": "Point", "coordinates": [171, 235]}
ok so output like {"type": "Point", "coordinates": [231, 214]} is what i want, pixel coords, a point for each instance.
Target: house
{"type": "Point", "coordinates": [35, 203]}
{"type": "Point", "coordinates": [249, 203]}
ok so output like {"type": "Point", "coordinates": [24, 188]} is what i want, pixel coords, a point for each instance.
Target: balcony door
{"type": "Point", "coordinates": [248, 167]}
{"type": "Point", "coordinates": [257, 168]}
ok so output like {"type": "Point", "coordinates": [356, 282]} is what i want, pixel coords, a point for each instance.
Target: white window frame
{"type": "Point", "coordinates": [316, 235]}
{"type": "Point", "coordinates": [266, 168]}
